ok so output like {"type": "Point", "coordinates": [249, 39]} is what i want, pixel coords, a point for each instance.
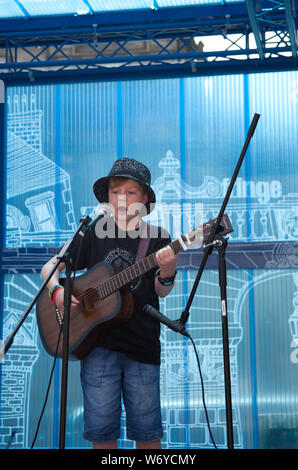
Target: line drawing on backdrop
{"type": "Point", "coordinates": [258, 211]}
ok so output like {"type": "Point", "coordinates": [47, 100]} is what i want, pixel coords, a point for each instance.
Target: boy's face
{"type": "Point", "coordinates": [127, 197]}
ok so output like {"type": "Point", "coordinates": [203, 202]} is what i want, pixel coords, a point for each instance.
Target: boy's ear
{"type": "Point", "coordinates": [145, 199]}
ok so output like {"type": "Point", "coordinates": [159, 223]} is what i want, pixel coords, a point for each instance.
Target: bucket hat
{"type": "Point", "coordinates": [127, 168]}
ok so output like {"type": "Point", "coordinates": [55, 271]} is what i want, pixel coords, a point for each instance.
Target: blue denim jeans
{"type": "Point", "coordinates": [106, 376]}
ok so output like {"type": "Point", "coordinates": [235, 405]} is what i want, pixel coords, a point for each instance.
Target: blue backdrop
{"type": "Point", "coordinates": [190, 132]}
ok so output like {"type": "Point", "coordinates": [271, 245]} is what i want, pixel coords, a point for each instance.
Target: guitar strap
{"type": "Point", "coordinates": [143, 243]}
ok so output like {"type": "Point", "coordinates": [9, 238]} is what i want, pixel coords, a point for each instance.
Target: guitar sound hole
{"type": "Point", "coordinates": [90, 298]}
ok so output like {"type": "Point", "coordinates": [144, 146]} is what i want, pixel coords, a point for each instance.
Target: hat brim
{"type": "Point", "coordinates": [100, 189]}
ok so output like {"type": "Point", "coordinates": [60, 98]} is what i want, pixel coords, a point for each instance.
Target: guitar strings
{"type": "Point", "coordinates": [106, 287]}
{"type": "Point", "coordinates": [95, 291]}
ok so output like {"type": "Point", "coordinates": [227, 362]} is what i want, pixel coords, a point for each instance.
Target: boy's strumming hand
{"type": "Point", "coordinates": [59, 301]}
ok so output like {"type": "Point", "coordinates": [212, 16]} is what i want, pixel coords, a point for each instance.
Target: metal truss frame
{"type": "Point", "coordinates": [270, 30]}
{"type": "Point", "coordinates": [253, 36]}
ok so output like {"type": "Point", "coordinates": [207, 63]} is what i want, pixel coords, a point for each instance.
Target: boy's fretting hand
{"type": "Point", "coordinates": [166, 260]}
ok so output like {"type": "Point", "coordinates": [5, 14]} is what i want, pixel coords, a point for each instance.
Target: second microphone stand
{"type": "Point", "coordinates": [216, 240]}
{"type": "Point", "coordinates": [220, 243]}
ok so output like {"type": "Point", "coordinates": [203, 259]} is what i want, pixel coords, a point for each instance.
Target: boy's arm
{"type": "Point", "coordinates": [59, 298]}
{"type": "Point", "coordinates": [166, 260]}
{"type": "Point", "coordinates": [47, 269]}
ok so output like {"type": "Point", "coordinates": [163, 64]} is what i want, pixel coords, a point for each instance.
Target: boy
{"type": "Point", "coordinates": [127, 360]}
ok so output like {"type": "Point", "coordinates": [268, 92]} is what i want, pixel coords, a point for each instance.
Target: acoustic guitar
{"type": "Point", "coordinates": [105, 298]}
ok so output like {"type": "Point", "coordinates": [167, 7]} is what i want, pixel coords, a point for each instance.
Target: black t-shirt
{"type": "Point", "coordinates": [139, 336]}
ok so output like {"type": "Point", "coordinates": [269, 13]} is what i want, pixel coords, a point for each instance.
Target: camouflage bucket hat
{"type": "Point", "coordinates": [127, 168]}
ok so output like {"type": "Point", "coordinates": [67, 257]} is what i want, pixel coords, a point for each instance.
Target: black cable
{"type": "Point", "coordinates": [56, 352]}
{"type": "Point", "coordinates": [48, 389]}
{"type": "Point", "coordinates": [11, 439]}
{"type": "Point", "coordinates": [203, 392]}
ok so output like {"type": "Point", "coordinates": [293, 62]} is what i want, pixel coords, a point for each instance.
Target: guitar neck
{"type": "Point", "coordinates": [194, 239]}
{"type": "Point", "coordinates": [132, 272]}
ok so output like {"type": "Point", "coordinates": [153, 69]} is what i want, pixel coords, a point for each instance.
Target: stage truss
{"type": "Point", "coordinates": [228, 38]}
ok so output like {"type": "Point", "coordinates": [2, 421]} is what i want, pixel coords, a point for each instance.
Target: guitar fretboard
{"type": "Point", "coordinates": [132, 272]}
{"type": "Point", "coordinates": [126, 276]}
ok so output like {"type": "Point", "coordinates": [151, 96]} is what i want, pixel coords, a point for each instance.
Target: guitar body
{"type": "Point", "coordinates": [89, 320]}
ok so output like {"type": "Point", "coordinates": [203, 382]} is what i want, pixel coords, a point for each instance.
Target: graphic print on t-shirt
{"type": "Point", "coordinates": [122, 259]}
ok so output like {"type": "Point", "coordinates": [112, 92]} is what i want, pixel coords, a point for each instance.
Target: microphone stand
{"type": "Point", "coordinates": [65, 325]}
{"type": "Point", "coordinates": [218, 241]}
{"type": "Point", "coordinates": [63, 256]}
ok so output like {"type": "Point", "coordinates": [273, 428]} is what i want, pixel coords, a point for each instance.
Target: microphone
{"type": "Point", "coordinates": [174, 325]}
{"type": "Point", "coordinates": [104, 211]}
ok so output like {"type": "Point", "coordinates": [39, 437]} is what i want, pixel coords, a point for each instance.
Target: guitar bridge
{"type": "Point", "coordinates": [59, 317]}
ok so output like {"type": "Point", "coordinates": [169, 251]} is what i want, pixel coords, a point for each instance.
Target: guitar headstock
{"type": "Point", "coordinates": [195, 239]}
